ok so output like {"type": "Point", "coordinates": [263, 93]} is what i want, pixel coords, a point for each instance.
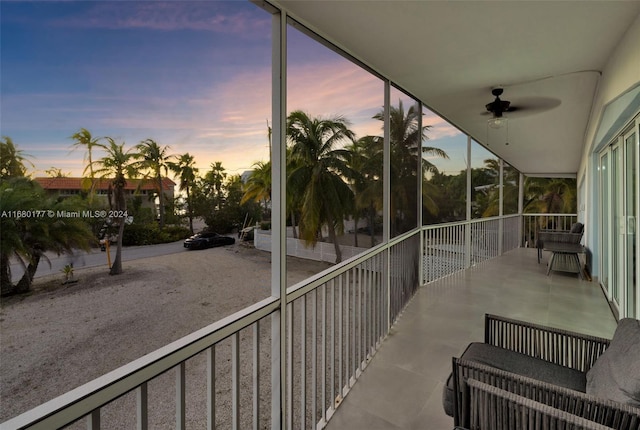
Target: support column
{"type": "Point", "coordinates": [467, 239]}
{"type": "Point", "coordinates": [386, 195]}
{"type": "Point", "coordinates": [278, 221]}
{"type": "Point", "coordinates": [521, 207]}
{"type": "Point", "coordinates": [501, 208]}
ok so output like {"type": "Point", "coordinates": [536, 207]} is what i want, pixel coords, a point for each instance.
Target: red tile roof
{"type": "Point", "coordinates": [101, 184]}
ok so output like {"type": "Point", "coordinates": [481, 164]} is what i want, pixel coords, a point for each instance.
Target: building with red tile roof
{"type": "Point", "coordinates": [65, 187]}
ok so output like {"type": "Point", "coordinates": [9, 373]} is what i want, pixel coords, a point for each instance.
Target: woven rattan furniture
{"type": "Point", "coordinates": [497, 409]}
{"type": "Point", "coordinates": [564, 257]}
{"type": "Point", "coordinates": [540, 363]}
{"type": "Point", "coordinates": [548, 237]}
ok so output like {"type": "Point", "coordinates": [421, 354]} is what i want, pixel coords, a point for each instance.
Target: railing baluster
{"type": "Point", "coordinates": [180, 397]}
{"type": "Point", "coordinates": [340, 344]}
{"type": "Point", "coordinates": [324, 353]}
{"type": "Point", "coordinates": [354, 313]}
{"type": "Point", "coordinates": [93, 420]}
{"type": "Point", "coordinates": [256, 375]}
{"type": "Point", "coordinates": [289, 388]}
{"type": "Point", "coordinates": [314, 356]}
{"type": "Point", "coordinates": [348, 332]}
{"type": "Point", "coordinates": [360, 318]}
{"type": "Point", "coordinates": [303, 362]}
{"type": "Point", "coordinates": [142, 410]}
{"type": "Point", "coordinates": [211, 387]}
{"type": "Point", "coordinates": [332, 393]}
{"type": "Point", "coordinates": [235, 381]}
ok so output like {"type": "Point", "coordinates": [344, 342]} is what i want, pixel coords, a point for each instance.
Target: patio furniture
{"type": "Point", "coordinates": [547, 238]}
{"type": "Point", "coordinates": [511, 411]}
{"type": "Point", "coordinates": [564, 257]}
{"type": "Point", "coordinates": [593, 378]}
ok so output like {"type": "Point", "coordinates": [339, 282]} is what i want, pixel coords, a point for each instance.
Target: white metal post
{"type": "Point", "coordinates": [278, 219]}
{"type": "Point", "coordinates": [467, 240]}
{"type": "Point", "coordinates": [501, 208]}
{"type": "Point", "coordinates": [386, 194]}
{"type": "Point", "coordinates": [521, 207]}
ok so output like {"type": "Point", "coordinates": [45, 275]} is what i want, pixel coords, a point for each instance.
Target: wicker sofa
{"type": "Point", "coordinates": [593, 378]}
{"type": "Point", "coordinates": [511, 411]}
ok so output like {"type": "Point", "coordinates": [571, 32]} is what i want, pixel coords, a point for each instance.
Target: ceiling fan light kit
{"type": "Point", "coordinates": [497, 122]}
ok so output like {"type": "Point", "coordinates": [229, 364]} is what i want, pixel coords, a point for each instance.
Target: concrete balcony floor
{"type": "Point", "coordinates": [402, 386]}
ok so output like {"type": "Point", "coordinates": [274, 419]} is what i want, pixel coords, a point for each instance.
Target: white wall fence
{"type": "Point", "coordinates": [322, 251]}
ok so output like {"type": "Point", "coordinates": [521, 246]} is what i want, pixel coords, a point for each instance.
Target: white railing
{"type": "Point", "coordinates": [452, 247]}
{"type": "Point", "coordinates": [533, 223]}
{"type": "Point", "coordinates": [222, 374]}
{"type": "Point", "coordinates": [336, 324]}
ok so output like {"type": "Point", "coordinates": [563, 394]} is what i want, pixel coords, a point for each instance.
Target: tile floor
{"type": "Point", "coordinates": [402, 386]}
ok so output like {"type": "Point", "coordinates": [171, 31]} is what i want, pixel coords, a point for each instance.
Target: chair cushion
{"type": "Point", "coordinates": [577, 228]}
{"type": "Point", "coordinates": [616, 373]}
{"type": "Point", "coordinates": [517, 363]}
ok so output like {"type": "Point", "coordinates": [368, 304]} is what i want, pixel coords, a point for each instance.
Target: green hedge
{"type": "Point", "coordinates": [151, 234]}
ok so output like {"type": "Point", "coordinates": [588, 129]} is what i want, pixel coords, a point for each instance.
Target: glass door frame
{"type": "Point", "coordinates": [604, 183]}
{"type": "Point", "coordinates": [617, 223]}
{"type": "Point", "coordinates": [631, 215]}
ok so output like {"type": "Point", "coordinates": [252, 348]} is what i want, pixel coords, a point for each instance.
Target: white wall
{"type": "Point", "coordinates": [323, 251]}
{"type": "Point", "coordinates": [620, 75]}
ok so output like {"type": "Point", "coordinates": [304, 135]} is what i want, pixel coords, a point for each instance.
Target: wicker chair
{"type": "Point", "coordinates": [559, 236]}
{"type": "Point", "coordinates": [496, 409]}
{"type": "Point", "coordinates": [560, 347]}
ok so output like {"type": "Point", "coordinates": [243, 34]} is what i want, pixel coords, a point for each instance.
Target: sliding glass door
{"type": "Point", "coordinates": [619, 221]}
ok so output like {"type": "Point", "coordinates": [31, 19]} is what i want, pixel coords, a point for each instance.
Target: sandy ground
{"type": "Point", "coordinates": [60, 337]}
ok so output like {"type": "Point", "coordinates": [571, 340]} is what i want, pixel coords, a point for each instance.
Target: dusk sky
{"type": "Point", "coordinates": [194, 75]}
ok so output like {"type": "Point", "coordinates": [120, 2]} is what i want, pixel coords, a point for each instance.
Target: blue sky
{"type": "Point", "coordinates": [183, 73]}
{"type": "Point", "coordinates": [194, 75]}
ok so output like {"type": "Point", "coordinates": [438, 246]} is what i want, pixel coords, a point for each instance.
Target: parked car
{"type": "Point", "coordinates": [207, 240]}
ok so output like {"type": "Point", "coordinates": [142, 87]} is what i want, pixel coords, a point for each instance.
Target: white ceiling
{"type": "Point", "coordinates": [547, 55]}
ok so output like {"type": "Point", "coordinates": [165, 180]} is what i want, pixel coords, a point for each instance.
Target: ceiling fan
{"type": "Point", "coordinates": [499, 106]}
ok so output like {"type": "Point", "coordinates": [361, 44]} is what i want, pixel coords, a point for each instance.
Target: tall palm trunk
{"type": "Point", "coordinates": [24, 285]}
{"type": "Point", "coordinates": [293, 224]}
{"type": "Point", "coordinates": [355, 231]}
{"type": "Point", "coordinates": [189, 210]}
{"type": "Point", "coordinates": [372, 220]}
{"type": "Point", "coordinates": [6, 287]}
{"type": "Point", "coordinates": [161, 200]}
{"type": "Point", "coordinates": [116, 267]}
{"type": "Point", "coordinates": [333, 238]}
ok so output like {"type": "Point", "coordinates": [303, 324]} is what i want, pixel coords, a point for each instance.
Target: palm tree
{"type": "Point", "coordinates": [28, 238]}
{"type": "Point", "coordinates": [214, 179]}
{"type": "Point", "coordinates": [359, 158]}
{"type": "Point", "coordinates": [186, 170]}
{"type": "Point", "coordinates": [116, 166]}
{"type": "Point", "coordinates": [370, 197]}
{"type": "Point", "coordinates": [326, 197]}
{"type": "Point", "coordinates": [258, 185]}
{"type": "Point", "coordinates": [12, 159]}
{"type": "Point", "coordinates": [155, 160]}
{"type": "Point", "coordinates": [550, 195]}
{"type": "Point", "coordinates": [509, 186]}
{"type": "Point", "coordinates": [16, 194]}
{"type": "Point", "coordinates": [407, 139]}
{"type": "Point", "coordinates": [84, 139]}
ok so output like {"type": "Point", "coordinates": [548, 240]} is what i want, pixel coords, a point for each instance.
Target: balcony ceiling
{"type": "Point", "coordinates": [547, 55]}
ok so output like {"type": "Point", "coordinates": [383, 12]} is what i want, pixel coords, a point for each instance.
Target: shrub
{"type": "Point", "coordinates": [151, 234]}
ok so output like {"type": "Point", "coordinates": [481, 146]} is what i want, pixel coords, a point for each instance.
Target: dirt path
{"type": "Point", "coordinates": [61, 337]}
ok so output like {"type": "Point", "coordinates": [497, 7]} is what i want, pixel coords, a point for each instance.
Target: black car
{"type": "Point", "coordinates": [207, 240]}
